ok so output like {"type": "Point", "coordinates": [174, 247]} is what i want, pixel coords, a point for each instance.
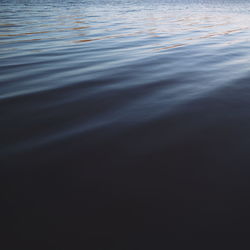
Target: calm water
{"type": "Point", "coordinates": [124, 124]}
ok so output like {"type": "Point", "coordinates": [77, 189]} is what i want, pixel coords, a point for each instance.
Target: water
{"type": "Point", "coordinates": [124, 124]}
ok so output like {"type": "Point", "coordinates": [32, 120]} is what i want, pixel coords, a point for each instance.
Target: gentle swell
{"type": "Point", "coordinates": [66, 71]}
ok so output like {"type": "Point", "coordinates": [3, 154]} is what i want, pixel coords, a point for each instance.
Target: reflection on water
{"type": "Point", "coordinates": [124, 124]}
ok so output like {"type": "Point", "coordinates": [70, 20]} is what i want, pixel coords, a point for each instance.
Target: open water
{"type": "Point", "coordinates": [124, 124]}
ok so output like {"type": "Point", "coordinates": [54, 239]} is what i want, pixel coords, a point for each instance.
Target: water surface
{"type": "Point", "coordinates": [124, 124]}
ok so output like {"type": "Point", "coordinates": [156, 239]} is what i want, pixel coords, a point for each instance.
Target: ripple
{"type": "Point", "coordinates": [124, 123]}
{"type": "Point", "coordinates": [136, 62]}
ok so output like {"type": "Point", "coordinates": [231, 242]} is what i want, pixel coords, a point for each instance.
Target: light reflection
{"type": "Point", "coordinates": [166, 27]}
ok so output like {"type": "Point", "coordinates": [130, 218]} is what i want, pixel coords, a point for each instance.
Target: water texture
{"type": "Point", "coordinates": [124, 124]}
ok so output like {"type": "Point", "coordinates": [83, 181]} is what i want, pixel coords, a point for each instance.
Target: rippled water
{"type": "Point", "coordinates": [124, 124]}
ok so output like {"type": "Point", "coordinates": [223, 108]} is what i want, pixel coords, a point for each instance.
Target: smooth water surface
{"type": "Point", "coordinates": [124, 124]}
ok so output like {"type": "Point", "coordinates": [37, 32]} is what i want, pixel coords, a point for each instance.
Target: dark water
{"type": "Point", "coordinates": [124, 124]}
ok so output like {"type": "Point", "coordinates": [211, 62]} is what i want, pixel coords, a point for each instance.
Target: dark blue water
{"type": "Point", "coordinates": [124, 124]}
